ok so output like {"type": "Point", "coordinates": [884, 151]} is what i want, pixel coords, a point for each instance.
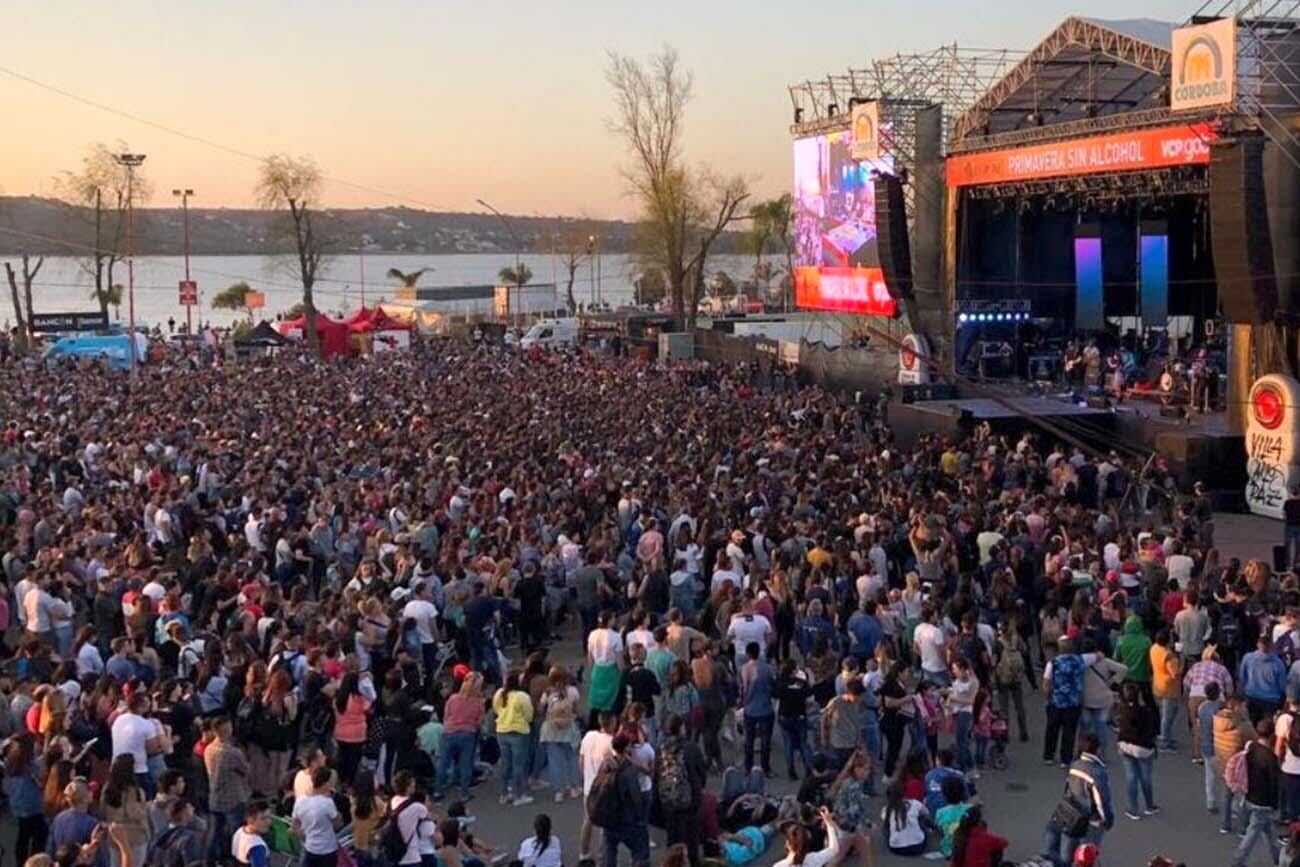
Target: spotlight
{"type": "Point", "coordinates": [961, 317]}
{"type": "Point", "coordinates": [832, 109]}
{"type": "Point", "coordinates": [798, 115]}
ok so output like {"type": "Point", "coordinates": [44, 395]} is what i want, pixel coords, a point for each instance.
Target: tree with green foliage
{"type": "Point", "coordinates": [233, 297]}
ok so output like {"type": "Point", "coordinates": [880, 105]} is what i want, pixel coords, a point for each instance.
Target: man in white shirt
{"type": "Point", "coordinates": [20, 596]}
{"type": "Point", "coordinates": [133, 733]}
{"type": "Point", "coordinates": [1179, 565]}
{"type": "Point", "coordinates": [315, 819]}
{"type": "Point", "coordinates": [410, 813]}
{"type": "Point", "coordinates": [746, 627]}
{"type": "Point", "coordinates": [253, 531]}
{"type": "Point", "coordinates": [930, 642]}
{"type": "Point", "coordinates": [736, 554]}
{"type": "Point", "coordinates": [42, 610]}
{"type": "Point", "coordinates": [421, 609]}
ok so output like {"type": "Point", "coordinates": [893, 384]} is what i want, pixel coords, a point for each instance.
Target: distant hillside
{"type": "Point", "coordinates": [228, 231]}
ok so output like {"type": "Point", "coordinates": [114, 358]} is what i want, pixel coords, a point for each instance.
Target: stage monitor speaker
{"type": "Point", "coordinates": [1239, 229]}
{"type": "Point", "coordinates": [892, 241]}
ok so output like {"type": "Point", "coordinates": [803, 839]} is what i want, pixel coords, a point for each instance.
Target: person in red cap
{"type": "Point", "coordinates": [1085, 856]}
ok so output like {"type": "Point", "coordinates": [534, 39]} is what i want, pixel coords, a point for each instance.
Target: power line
{"type": "Point", "coordinates": [197, 139]}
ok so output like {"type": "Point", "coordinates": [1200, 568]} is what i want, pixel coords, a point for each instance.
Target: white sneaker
{"type": "Point", "coordinates": [559, 797]}
{"type": "Point", "coordinates": [523, 800]}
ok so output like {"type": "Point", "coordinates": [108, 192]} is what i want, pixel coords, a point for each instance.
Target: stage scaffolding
{"type": "Point", "coordinates": [903, 84]}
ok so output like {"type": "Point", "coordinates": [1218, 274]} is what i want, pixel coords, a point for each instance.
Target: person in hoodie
{"type": "Point", "coordinates": [1133, 650]}
{"type": "Point", "coordinates": [1262, 676]}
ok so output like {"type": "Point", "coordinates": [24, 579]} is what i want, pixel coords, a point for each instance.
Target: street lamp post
{"type": "Point", "coordinates": [510, 230]}
{"type": "Point", "coordinates": [591, 263]}
{"type": "Point", "coordinates": [184, 196]}
{"type": "Point", "coordinates": [130, 162]}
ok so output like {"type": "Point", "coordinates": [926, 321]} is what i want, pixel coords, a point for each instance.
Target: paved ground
{"type": "Point", "coordinates": [1018, 800]}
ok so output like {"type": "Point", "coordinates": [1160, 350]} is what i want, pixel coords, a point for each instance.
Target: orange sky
{"type": "Point", "coordinates": [439, 103]}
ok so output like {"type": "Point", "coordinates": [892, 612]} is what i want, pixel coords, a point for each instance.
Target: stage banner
{"type": "Point", "coordinates": [1204, 70]}
{"type": "Point", "coordinates": [1135, 150]}
{"type": "Point", "coordinates": [1272, 443]}
{"type": "Point", "coordinates": [843, 290]}
{"type": "Point", "coordinates": [914, 360]}
{"type": "Point", "coordinates": [866, 131]}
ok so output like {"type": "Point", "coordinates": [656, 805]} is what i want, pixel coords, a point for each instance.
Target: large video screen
{"type": "Point", "coordinates": [836, 255]}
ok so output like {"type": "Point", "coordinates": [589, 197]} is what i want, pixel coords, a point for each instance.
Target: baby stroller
{"type": "Point", "coordinates": [999, 735]}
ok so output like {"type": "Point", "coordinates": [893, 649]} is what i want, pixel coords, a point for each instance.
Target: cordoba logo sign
{"type": "Point", "coordinates": [1204, 65]}
{"type": "Point", "coordinates": [866, 131]}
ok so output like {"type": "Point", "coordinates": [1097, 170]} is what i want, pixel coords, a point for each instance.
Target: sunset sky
{"type": "Point", "coordinates": [438, 103]}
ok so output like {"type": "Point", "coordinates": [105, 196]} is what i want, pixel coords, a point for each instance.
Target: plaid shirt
{"type": "Point", "coordinates": [227, 776]}
{"type": "Point", "coordinates": [1207, 671]}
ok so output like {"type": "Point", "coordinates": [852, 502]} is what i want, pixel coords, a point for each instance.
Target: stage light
{"type": "Point", "coordinates": [961, 317]}
{"type": "Point", "coordinates": [798, 115]}
{"type": "Point", "coordinates": [832, 109]}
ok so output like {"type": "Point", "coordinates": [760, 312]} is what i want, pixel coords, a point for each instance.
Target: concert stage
{"type": "Point", "coordinates": [1006, 414]}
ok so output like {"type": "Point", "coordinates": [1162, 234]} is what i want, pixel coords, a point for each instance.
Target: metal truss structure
{"type": "Point", "coordinates": [1084, 71]}
{"type": "Point", "coordinates": [1088, 191]}
{"type": "Point", "coordinates": [903, 83]}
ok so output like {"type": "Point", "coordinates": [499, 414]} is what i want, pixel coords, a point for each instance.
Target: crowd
{"type": "Point", "coordinates": [300, 610]}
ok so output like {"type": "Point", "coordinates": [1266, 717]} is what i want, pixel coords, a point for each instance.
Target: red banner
{"type": "Point", "coordinates": [1135, 150]}
{"type": "Point", "coordinates": [843, 290]}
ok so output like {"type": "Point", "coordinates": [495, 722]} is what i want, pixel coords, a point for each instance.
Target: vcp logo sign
{"type": "Point", "coordinates": [1188, 149]}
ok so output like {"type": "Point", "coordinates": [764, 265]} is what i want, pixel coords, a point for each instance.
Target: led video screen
{"type": "Point", "coordinates": [836, 255]}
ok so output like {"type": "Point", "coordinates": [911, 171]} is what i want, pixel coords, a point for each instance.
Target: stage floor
{"type": "Point", "coordinates": [985, 408]}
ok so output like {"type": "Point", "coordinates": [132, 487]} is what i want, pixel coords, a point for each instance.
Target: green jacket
{"type": "Point", "coordinates": [1134, 650]}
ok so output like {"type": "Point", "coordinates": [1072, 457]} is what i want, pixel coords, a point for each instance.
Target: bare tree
{"type": "Point", "coordinates": [293, 185]}
{"type": "Point", "coordinates": [24, 316]}
{"type": "Point", "coordinates": [100, 188]}
{"type": "Point", "coordinates": [682, 211]}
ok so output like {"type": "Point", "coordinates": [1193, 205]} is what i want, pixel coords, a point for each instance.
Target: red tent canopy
{"type": "Point", "coordinates": [333, 335]}
{"type": "Point", "coordinates": [368, 319]}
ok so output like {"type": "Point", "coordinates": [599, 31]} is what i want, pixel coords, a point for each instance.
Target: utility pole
{"type": "Point", "coordinates": [591, 263]}
{"type": "Point", "coordinates": [361, 254]}
{"type": "Point", "coordinates": [185, 211]}
{"type": "Point", "coordinates": [510, 230]}
{"type": "Point", "coordinates": [130, 162]}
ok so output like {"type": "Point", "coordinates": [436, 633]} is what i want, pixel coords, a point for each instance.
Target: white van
{"type": "Point", "coordinates": [551, 333]}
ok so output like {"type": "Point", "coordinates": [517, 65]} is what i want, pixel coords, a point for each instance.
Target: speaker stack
{"type": "Point", "coordinates": [892, 241]}
{"type": "Point", "coordinates": [1241, 240]}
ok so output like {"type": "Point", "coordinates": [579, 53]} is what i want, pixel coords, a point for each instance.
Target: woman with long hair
{"type": "Point", "coordinates": [350, 709]}
{"type": "Point", "coordinates": [276, 728]}
{"type": "Point", "coordinates": [560, 735]}
{"type": "Point", "coordinates": [543, 848]}
{"type": "Point", "coordinates": [123, 802]}
{"type": "Point", "coordinates": [1138, 724]}
{"type": "Point", "coordinates": [680, 696]}
{"type": "Point", "coordinates": [462, 716]}
{"type": "Point", "coordinates": [369, 809]}
{"type": "Point", "coordinates": [905, 820]}
{"type": "Point", "coordinates": [23, 790]}
{"type": "Point", "coordinates": [973, 845]}
{"type": "Point", "coordinates": [796, 844]}
{"type": "Point", "coordinates": [514, 712]}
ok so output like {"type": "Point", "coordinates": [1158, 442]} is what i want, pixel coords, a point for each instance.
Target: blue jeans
{"type": "Point", "coordinates": [483, 656]}
{"type": "Point", "coordinates": [1259, 826]}
{"type": "Point", "coordinates": [456, 751]}
{"type": "Point", "coordinates": [636, 837]}
{"type": "Point", "coordinates": [794, 731]}
{"type": "Point", "coordinates": [514, 763]}
{"type": "Point", "coordinates": [1059, 849]}
{"type": "Point", "coordinates": [871, 737]}
{"type": "Point", "coordinates": [562, 765]}
{"type": "Point", "coordinates": [1228, 799]}
{"type": "Point", "coordinates": [1168, 713]}
{"type": "Point", "coordinates": [682, 597]}
{"type": "Point", "coordinates": [1211, 784]}
{"type": "Point", "coordinates": [1138, 771]}
{"type": "Point", "coordinates": [1096, 720]}
{"type": "Point", "coordinates": [224, 826]}
{"type": "Point", "coordinates": [760, 728]}
{"type": "Point", "coordinates": [1290, 805]}
{"type": "Point", "coordinates": [964, 723]}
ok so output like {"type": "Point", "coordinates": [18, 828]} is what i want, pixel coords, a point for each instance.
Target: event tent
{"type": "Point", "coordinates": [333, 335]}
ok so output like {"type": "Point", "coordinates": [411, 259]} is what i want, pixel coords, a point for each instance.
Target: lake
{"type": "Point", "coordinates": [63, 286]}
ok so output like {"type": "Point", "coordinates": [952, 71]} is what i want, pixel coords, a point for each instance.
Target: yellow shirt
{"type": "Point", "coordinates": [514, 712]}
{"type": "Point", "coordinates": [1165, 677]}
{"type": "Point", "coordinates": [948, 463]}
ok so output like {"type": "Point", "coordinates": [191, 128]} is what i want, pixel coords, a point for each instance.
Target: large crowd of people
{"type": "Point", "coordinates": [312, 611]}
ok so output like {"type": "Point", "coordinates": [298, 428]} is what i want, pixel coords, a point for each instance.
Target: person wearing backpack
{"type": "Point", "coordinates": [680, 774]}
{"type": "Point", "coordinates": [1085, 803]}
{"type": "Point", "coordinates": [180, 845]}
{"type": "Point", "coordinates": [1008, 671]}
{"type": "Point", "coordinates": [399, 839]}
{"type": "Point", "coordinates": [1287, 747]}
{"type": "Point", "coordinates": [1263, 785]}
{"type": "Point", "coordinates": [1232, 731]}
{"type": "Point", "coordinates": [614, 804]}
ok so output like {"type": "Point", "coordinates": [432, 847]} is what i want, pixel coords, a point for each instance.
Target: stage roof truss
{"type": "Point", "coordinates": [1115, 186]}
{"type": "Point", "coordinates": [1085, 70]}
